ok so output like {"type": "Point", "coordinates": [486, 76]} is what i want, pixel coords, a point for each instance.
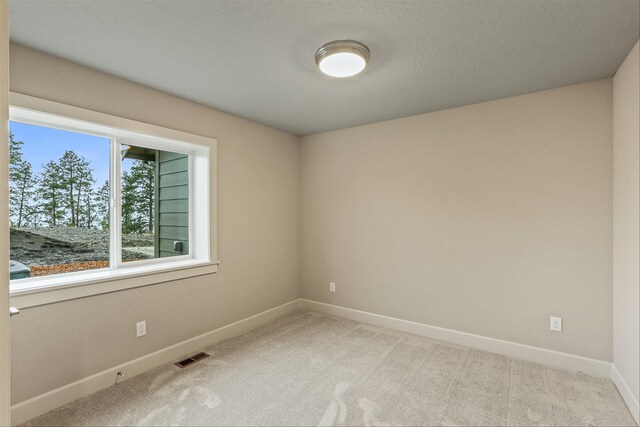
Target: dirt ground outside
{"type": "Point", "coordinates": [58, 250]}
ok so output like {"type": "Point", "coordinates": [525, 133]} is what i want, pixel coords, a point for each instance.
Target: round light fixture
{"type": "Point", "coordinates": [342, 58]}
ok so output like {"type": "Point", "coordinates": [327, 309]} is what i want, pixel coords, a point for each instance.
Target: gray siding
{"type": "Point", "coordinates": [173, 203]}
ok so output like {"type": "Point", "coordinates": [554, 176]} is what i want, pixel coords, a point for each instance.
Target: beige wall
{"type": "Point", "coordinates": [258, 236]}
{"type": "Point", "coordinates": [626, 227]}
{"type": "Point", "coordinates": [486, 219]}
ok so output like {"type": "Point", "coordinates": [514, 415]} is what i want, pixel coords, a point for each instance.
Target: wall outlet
{"type": "Point", "coordinates": [332, 287]}
{"type": "Point", "coordinates": [141, 329]}
{"type": "Point", "coordinates": [556, 324]}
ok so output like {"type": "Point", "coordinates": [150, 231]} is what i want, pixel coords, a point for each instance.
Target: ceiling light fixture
{"type": "Point", "coordinates": [342, 58]}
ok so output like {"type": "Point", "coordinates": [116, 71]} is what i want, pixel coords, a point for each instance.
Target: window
{"type": "Point", "coordinates": [93, 201]}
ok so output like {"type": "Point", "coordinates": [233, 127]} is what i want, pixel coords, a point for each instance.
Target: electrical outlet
{"type": "Point", "coordinates": [556, 324]}
{"type": "Point", "coordinates": [332, 287]}
{"type": "Point", "coordinates": [141, 329]}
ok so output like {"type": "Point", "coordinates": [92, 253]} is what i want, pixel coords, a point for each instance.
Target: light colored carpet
{"type": "Point", "coordinates": [310, 369]}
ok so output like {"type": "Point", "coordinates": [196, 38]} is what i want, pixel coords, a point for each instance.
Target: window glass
{"type": "Point", "coordinates": [155, 203]}
{"type": "Point", "coordinates": [59, 201]}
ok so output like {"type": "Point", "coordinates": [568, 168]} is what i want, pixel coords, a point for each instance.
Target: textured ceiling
{"type": "Point", "coordinates": [255, 58]}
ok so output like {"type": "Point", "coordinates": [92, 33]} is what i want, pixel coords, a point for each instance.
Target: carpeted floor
{"type": "Point", "coordinates": [310, 369]}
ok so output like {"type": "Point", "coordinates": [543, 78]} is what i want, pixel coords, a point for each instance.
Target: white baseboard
{"type": "Point", "coordinates": [43, 403]}
{"type": "Point", "coordinates": [558, 359]}
{"type": "Point", "coordinates": [627, 394]}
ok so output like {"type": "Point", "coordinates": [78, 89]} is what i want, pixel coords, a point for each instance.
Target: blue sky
{"type": "Point", "coordinates": [43, 144]}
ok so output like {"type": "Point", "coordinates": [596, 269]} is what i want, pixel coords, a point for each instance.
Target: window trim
{"type": "Point", "coordinates": [202, 257]}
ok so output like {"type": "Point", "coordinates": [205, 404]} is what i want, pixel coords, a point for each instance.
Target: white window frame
{"type": "Point", "coordinates": [202, 258]}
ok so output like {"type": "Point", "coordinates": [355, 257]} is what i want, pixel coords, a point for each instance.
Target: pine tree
{"type": "Point", "coordinates": [88, 210]}
{"type": "Point", "coordinates": [21, 191]}
{"type": "Point", "coordinates": [51, 194]}
{"type": "Point", "coordinates": [21, 184]}
{"type": "Point", "coordinates": [84, 199]}
{"type": "Point", "coordinates": [15, 150]}
{"type": "Point", "coordinates": [138, 197]}
{"type": "Point", "coordinates": [102, 203]}
{"type": "Point", "coordinates": [76, 177]}
{"type": "Point", "coordinates": [130, 223]}
{"type": "Point", "coordinates": [33, 214]}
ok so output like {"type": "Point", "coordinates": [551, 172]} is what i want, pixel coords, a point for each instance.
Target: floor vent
{"type": "Point", "coordinates": [193, 359]}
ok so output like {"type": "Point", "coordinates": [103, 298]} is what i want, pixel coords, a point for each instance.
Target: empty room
{"type": "Point", "coordinates": [319, 213]}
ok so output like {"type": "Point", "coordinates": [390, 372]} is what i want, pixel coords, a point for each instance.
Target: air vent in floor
{"type": "Point", "coordinates": [193, 359]}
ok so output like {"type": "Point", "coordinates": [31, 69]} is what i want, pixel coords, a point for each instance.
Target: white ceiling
{"type": "Point", "coordinates": [255, 58]}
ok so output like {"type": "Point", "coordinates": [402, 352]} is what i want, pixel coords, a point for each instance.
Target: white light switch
{"type": "Point", "coordinates": [332, 287]}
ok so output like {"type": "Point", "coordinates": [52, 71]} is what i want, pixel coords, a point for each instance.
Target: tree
{"type": "Point", "coordinates": [84, 199]}
{"type": "Point", "coordinates": [138, 198]}
{"type": "Point", "coordinates": [34, 216]}
{"type": "Point", "coordinates": [21, 191]}
{"type": "Point", "coordinates": [15, 150]}
{"type": "Point", "coordinates": [88, 211]}
{"type": "Point", "coordinates": [21, 184]}
{"type": "Point", "coordinates": [102, 200]}
{"type": "Point", "coordinates": [63, 193]}
{"type": "Point", "coordinates": [51, 194]}
{"type": "Point", "coordinates": [77, 178]}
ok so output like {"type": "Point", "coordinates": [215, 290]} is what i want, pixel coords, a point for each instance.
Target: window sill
{"type": "Point", "coordinates": [57, 289]}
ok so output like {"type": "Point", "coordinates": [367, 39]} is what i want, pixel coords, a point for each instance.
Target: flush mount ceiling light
{"type": "Point", "coordinates": [342, 58]}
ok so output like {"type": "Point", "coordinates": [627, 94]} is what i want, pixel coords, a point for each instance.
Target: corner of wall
{"type": "Point", "coordinates": [626, 230]}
